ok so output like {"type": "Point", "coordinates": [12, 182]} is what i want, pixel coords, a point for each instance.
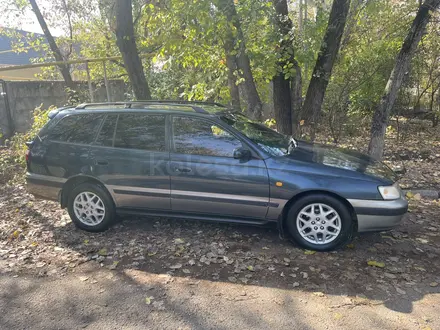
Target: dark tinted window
{"type": "Point", "coordinates": [200, 137]}
{"type": "Point", "coordinates": [140, 131]}
{"type": "Point", "coordinates": [105, 136]}
{"type": "Point", "coordinates": [76, 128]}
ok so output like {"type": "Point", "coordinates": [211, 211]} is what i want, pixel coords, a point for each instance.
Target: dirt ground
{"type": "Point", "coordinates": [188, 274]}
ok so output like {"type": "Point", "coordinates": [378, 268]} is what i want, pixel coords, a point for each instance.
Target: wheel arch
{"type": "Point", "coordinates": [77, 180]}
{"type": "Point", "coordinates": [288, 205]}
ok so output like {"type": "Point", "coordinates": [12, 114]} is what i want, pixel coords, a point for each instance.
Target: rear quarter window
{"type": "Point", "coordinates": [80, 128]}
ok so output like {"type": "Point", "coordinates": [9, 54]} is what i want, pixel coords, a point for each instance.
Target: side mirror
{"type": "Point", "coordinates": [242, 153]}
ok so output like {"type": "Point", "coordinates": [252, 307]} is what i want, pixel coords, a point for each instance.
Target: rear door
{"type": "Point", "coordinates": [130, 156]}
{"type": "Point", "coordinates": [205, 177]}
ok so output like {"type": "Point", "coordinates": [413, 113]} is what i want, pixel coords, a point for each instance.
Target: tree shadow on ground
{"type": "Point", "coordinates": [257, 256]}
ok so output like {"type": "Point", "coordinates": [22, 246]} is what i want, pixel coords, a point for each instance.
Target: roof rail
{"type": "Point", "coordinates": [129, 104]}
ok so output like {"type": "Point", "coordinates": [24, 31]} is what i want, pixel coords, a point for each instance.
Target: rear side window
{"type": "Point", "coordinates": [76, 128]}
{"type": "Point", "coordinates": [105, 136]}
{"type": "Point", "coordinates": [140, 131]}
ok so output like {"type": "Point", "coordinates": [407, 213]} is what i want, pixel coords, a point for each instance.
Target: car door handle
{"type": "Point", "coordinates": [182, 170]}
{"type": "Point", "coordinates": [101, 162]}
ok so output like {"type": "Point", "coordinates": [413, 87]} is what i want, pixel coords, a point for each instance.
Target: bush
{"type": "Point", "coordinates": [18, 141]}
{"type": "Point", "coordinates": [13, 159]}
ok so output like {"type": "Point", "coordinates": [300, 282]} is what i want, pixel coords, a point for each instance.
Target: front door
{"type": "Point", "coordinates": [205, 177]}
{"type": "Point", "coordinates": [130, 156]}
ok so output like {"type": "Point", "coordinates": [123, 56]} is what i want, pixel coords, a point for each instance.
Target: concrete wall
{"type": "Point", "coordinates": [25, 96]}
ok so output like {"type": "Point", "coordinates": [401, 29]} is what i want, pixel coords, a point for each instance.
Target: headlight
{"type": "Point", "coordinates": [390, 192]}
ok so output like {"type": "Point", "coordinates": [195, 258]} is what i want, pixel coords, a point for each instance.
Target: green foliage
{"type": "Point", "coordinates": [18, 141]}
{"type": "Point", "coordinates": [13, 160]}
{"type": "Point", "coordinates": [182, 49]}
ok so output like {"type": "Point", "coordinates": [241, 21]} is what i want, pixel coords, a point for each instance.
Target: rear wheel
{"type": "Point", "coordinates": [91, 207]}
{"type": "Point", "coordinates": [320, 222]}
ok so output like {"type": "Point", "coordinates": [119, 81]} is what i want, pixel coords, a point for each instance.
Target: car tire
{"type": "Point", "coordinates": [91, 208]}
{"type": "Point", "coordinates": [320, 222]}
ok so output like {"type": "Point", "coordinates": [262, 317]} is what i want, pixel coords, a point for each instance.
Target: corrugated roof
{"type": "Point", "coordinates": [13, 58]}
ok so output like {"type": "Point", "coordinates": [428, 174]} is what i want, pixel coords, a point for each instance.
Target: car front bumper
{"type": "Point", "coordinates": [378, 215]}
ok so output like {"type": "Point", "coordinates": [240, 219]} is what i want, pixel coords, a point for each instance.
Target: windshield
{"type": "Point", "coordinates": [269, 140]}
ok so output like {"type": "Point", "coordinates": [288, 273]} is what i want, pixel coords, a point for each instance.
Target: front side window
{"type": "Point", "coordinates": [200, 137]}
{"type": "Point", "coordinates": [140, 131]}
{"type": "Point", "coordinates": [76, 128]}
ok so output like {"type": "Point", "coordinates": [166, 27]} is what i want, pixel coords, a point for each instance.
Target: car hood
{"type": "Point", "coordinates": [343, 159]}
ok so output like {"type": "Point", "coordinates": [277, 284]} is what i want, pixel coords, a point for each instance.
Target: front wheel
{"type": "Point", "coordinates": [91, 207]}
{"type": "Point", "coordinates": [320, 222]}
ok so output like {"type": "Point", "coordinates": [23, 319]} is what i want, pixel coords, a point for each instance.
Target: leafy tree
{"type": "Point", "coordinates": [287, 89]}
{"type": "Point", "coordinates": [325, 61]}
{"type": "Point", "coordinates": [254, 105]}
{"type": "Point", "coordinates": [64, 68]}
{"type": "Point", "coordinates": [382, 113]}
{"type": "Point", "coordinates": [125, 39]}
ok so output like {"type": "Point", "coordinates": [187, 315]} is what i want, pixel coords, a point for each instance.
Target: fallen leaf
{"type": "Point", "coordinates": [83, 278]}
{"type": "Point", "coordinates": [176, 266]}
{"type": "Point", "coordinates": [375, 263]}
{"type": "Point", "coordinates": [417, 197]}
{"type": "Point", "coordinates": [251, 268]}
{"type": "Point", "coordinates": [148, 300]}
{"type": "Point", "coordinates": [409, 194]}
{"type": "Point", "coordinates": [338, 316]}
{"type": "Point", "coordinates": [319, 294]}
{"type": "Point", "coordinates": [399, 290]}
{"type": "Point", "coordinates": [422, 240]}
{"type": "Point", "coordinates": [179, 241]}
{"type": "Point", "coordinates": [308, 252]}
{"type": "Point", "coordinates": [113, 265]}
{"type": "Point", "coordinates": [433, 284]}
{"type": "Point", "coordinates": [102, 252]}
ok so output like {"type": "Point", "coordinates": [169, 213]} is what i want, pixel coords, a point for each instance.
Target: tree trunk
{"type": "Point", "coordinates": [282, 104]}
{"type": "Point", "coordinates": [324, 63]}
{"type": "Point", "coordinates": [126, 42]}
{"type": "Point", "coordinates": [286, 94]}
{"type": "Point", "coordinates": [296, 97]}
{"type": "Point", "coordinates": [282, 101]}
{"type": "Point", "coordinates": [64, 68]}
{"type": "Point", "coordinates": [254, 105]}
{"type": "Point", "coordinates": [383, 111]}
{"type": "Point", "coordinates": [231, 63]}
